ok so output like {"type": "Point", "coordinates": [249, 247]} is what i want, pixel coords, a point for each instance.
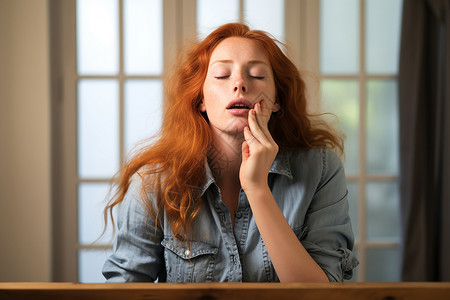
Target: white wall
{"type": "Point", "coordinates": [25, 206]}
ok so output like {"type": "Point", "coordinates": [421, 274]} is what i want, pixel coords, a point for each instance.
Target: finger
{"type": "Point", "coordinates": [256, 130]}
{"type": "Point", "coordinates": [253, 124]}
{"type": "Point", "coordinates": [260, 118]}
{"type": "Point", "coordinates": [266, 107]}
{"type": "Point", "coordinates": [245, 151]}
{"type": "Point", "coordinates": [263, 113]}
{"type": "Point", "coordinates": [248, 136]}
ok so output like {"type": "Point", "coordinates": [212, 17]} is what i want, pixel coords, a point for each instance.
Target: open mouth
{"type": "Point", "coordinates": [239, 106]}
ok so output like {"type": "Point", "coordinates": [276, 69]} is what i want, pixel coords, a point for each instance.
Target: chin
{"type": "Point", "coordinates": [238, 131]}
{"type": "Point", "coordinates": [236, 126]}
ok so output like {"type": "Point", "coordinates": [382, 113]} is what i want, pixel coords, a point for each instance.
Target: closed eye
{"type": "Point", "coordinates": [257, 77]}
{"type": "Point", "coordinates": [222, 77]}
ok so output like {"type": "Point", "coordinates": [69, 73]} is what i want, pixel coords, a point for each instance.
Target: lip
{"type": "Point", "coordinates": [239, 111]}
{"type": "Point", "coordinates": [240, 101]}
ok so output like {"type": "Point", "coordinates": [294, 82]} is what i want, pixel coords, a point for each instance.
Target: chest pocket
{"type": "Point", "coordinates": [189, 265]}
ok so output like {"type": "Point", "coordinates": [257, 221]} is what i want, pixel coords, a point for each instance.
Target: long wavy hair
{"type": "Point", "coordinates": [173, 167]}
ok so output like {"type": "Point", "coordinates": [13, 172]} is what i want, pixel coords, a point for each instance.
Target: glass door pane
{"type": "Point", "coordinates": [98, 37]}
{"type": "Point", "coordinates": [382, 127]}
{"type": "Point", "coordinates": [339, 36]}
{"type": "Point", "coordinates": [143, 110]}
{"type": "Point", "coordinates": [383, 222]}
{"type": "Point", "coordinates": [214, 13]}
{"type": "Point", "coordinates": [90, 264]}
{"type": "Point", "coordinates": [383, 264]}
{"type": "Point", "coordinates": [91, 202]}
{"type": "Point", "coordinates": [98, 128]}
{"type": "Point", "coordinates": [383, 21]}
{"type": "Point", "coordinates": [143, 37]}
{"type": "Point", "coordinates": [267, 15]}
{"type": "Point", "coordinates": [341, 98]}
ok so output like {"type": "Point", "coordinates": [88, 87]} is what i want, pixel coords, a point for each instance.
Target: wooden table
{"type": "Point", "coordinates": [241, 291]}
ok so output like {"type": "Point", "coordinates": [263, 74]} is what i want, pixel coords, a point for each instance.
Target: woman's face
{"type": "Point", "coordinates": [239, 75]}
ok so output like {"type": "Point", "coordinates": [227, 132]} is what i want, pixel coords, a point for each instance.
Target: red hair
{"type": "Point", "coordinates": [173, 167]}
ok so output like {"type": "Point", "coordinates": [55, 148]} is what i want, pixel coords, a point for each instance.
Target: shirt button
{"type": "Point", "coordinates": [238, 214]}
{"type": "Point", "coordinates": [187, 252]}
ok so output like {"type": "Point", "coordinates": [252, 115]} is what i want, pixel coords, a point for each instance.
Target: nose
{"type": "Point", "coordinates": [239, 85]}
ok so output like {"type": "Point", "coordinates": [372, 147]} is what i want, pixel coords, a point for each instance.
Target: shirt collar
{"type": "Point", "coordinates": [279, 166]}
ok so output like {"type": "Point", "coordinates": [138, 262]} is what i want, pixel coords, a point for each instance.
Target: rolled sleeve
{"type": "Point", "coordinates": [329, 237]}
{"type": "Point", "coordinates": [137, 255]}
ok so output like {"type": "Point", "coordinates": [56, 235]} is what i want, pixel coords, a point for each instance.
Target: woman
{"type": "Point", "coordinates": [242, 184]}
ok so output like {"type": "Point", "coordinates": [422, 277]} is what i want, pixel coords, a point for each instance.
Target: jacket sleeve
{"type": "Point", "coordinates": [329, 236]}
{"type": "Point", "coordinates": [137, 253]}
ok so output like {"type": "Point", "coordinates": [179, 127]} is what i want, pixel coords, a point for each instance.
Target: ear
{"type": "Point", "coordinates": [202, 106]}
{"type": "Point", "coordinates": [275, 107]}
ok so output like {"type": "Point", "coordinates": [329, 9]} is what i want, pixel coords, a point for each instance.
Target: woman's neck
{"type": "Point", "coordinates": [225, 157]}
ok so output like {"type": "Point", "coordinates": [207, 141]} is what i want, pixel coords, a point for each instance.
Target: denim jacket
{"type": "Point", "coordinates": [310, 189]}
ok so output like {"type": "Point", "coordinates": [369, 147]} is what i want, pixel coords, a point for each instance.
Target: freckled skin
{"type": "Point", "coordinates": [238, 68]}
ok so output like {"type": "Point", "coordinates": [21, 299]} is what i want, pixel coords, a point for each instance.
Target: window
{"type": "Point", "coordinates": [119, 102]}
{"type": "Point", "coordinates": [265, 15]}
{"type": "Point", "coordinates": [115, 53]}
{"type": "Point", "coordinates": [359, 42]}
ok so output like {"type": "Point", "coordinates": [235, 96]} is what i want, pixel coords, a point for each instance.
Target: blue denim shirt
{"type": "Point", "coordinates": [310, 189]}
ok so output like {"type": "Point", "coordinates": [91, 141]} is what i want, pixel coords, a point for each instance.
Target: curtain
{"type": "Point", "coordinates": [424, 107]}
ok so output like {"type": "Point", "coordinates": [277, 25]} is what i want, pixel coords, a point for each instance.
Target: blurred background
{"type": "Point", "coordinates": [82, 82]}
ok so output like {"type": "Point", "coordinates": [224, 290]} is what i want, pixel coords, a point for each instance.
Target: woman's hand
{"type": "Point", "coordinates": [290, 259]}
{"type": "Point", "coordinates": [258, 150]}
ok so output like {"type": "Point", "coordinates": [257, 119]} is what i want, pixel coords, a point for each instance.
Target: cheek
{"type": "Point", "coordinates": [268, 90]}
{"type": "Point", "coordinates": [211, 92]}
{"type": "Point", "coordinates": [273, 91]}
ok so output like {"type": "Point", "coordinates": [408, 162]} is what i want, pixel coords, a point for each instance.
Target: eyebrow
{"type": "Point", "coordinates": [228, 61]}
